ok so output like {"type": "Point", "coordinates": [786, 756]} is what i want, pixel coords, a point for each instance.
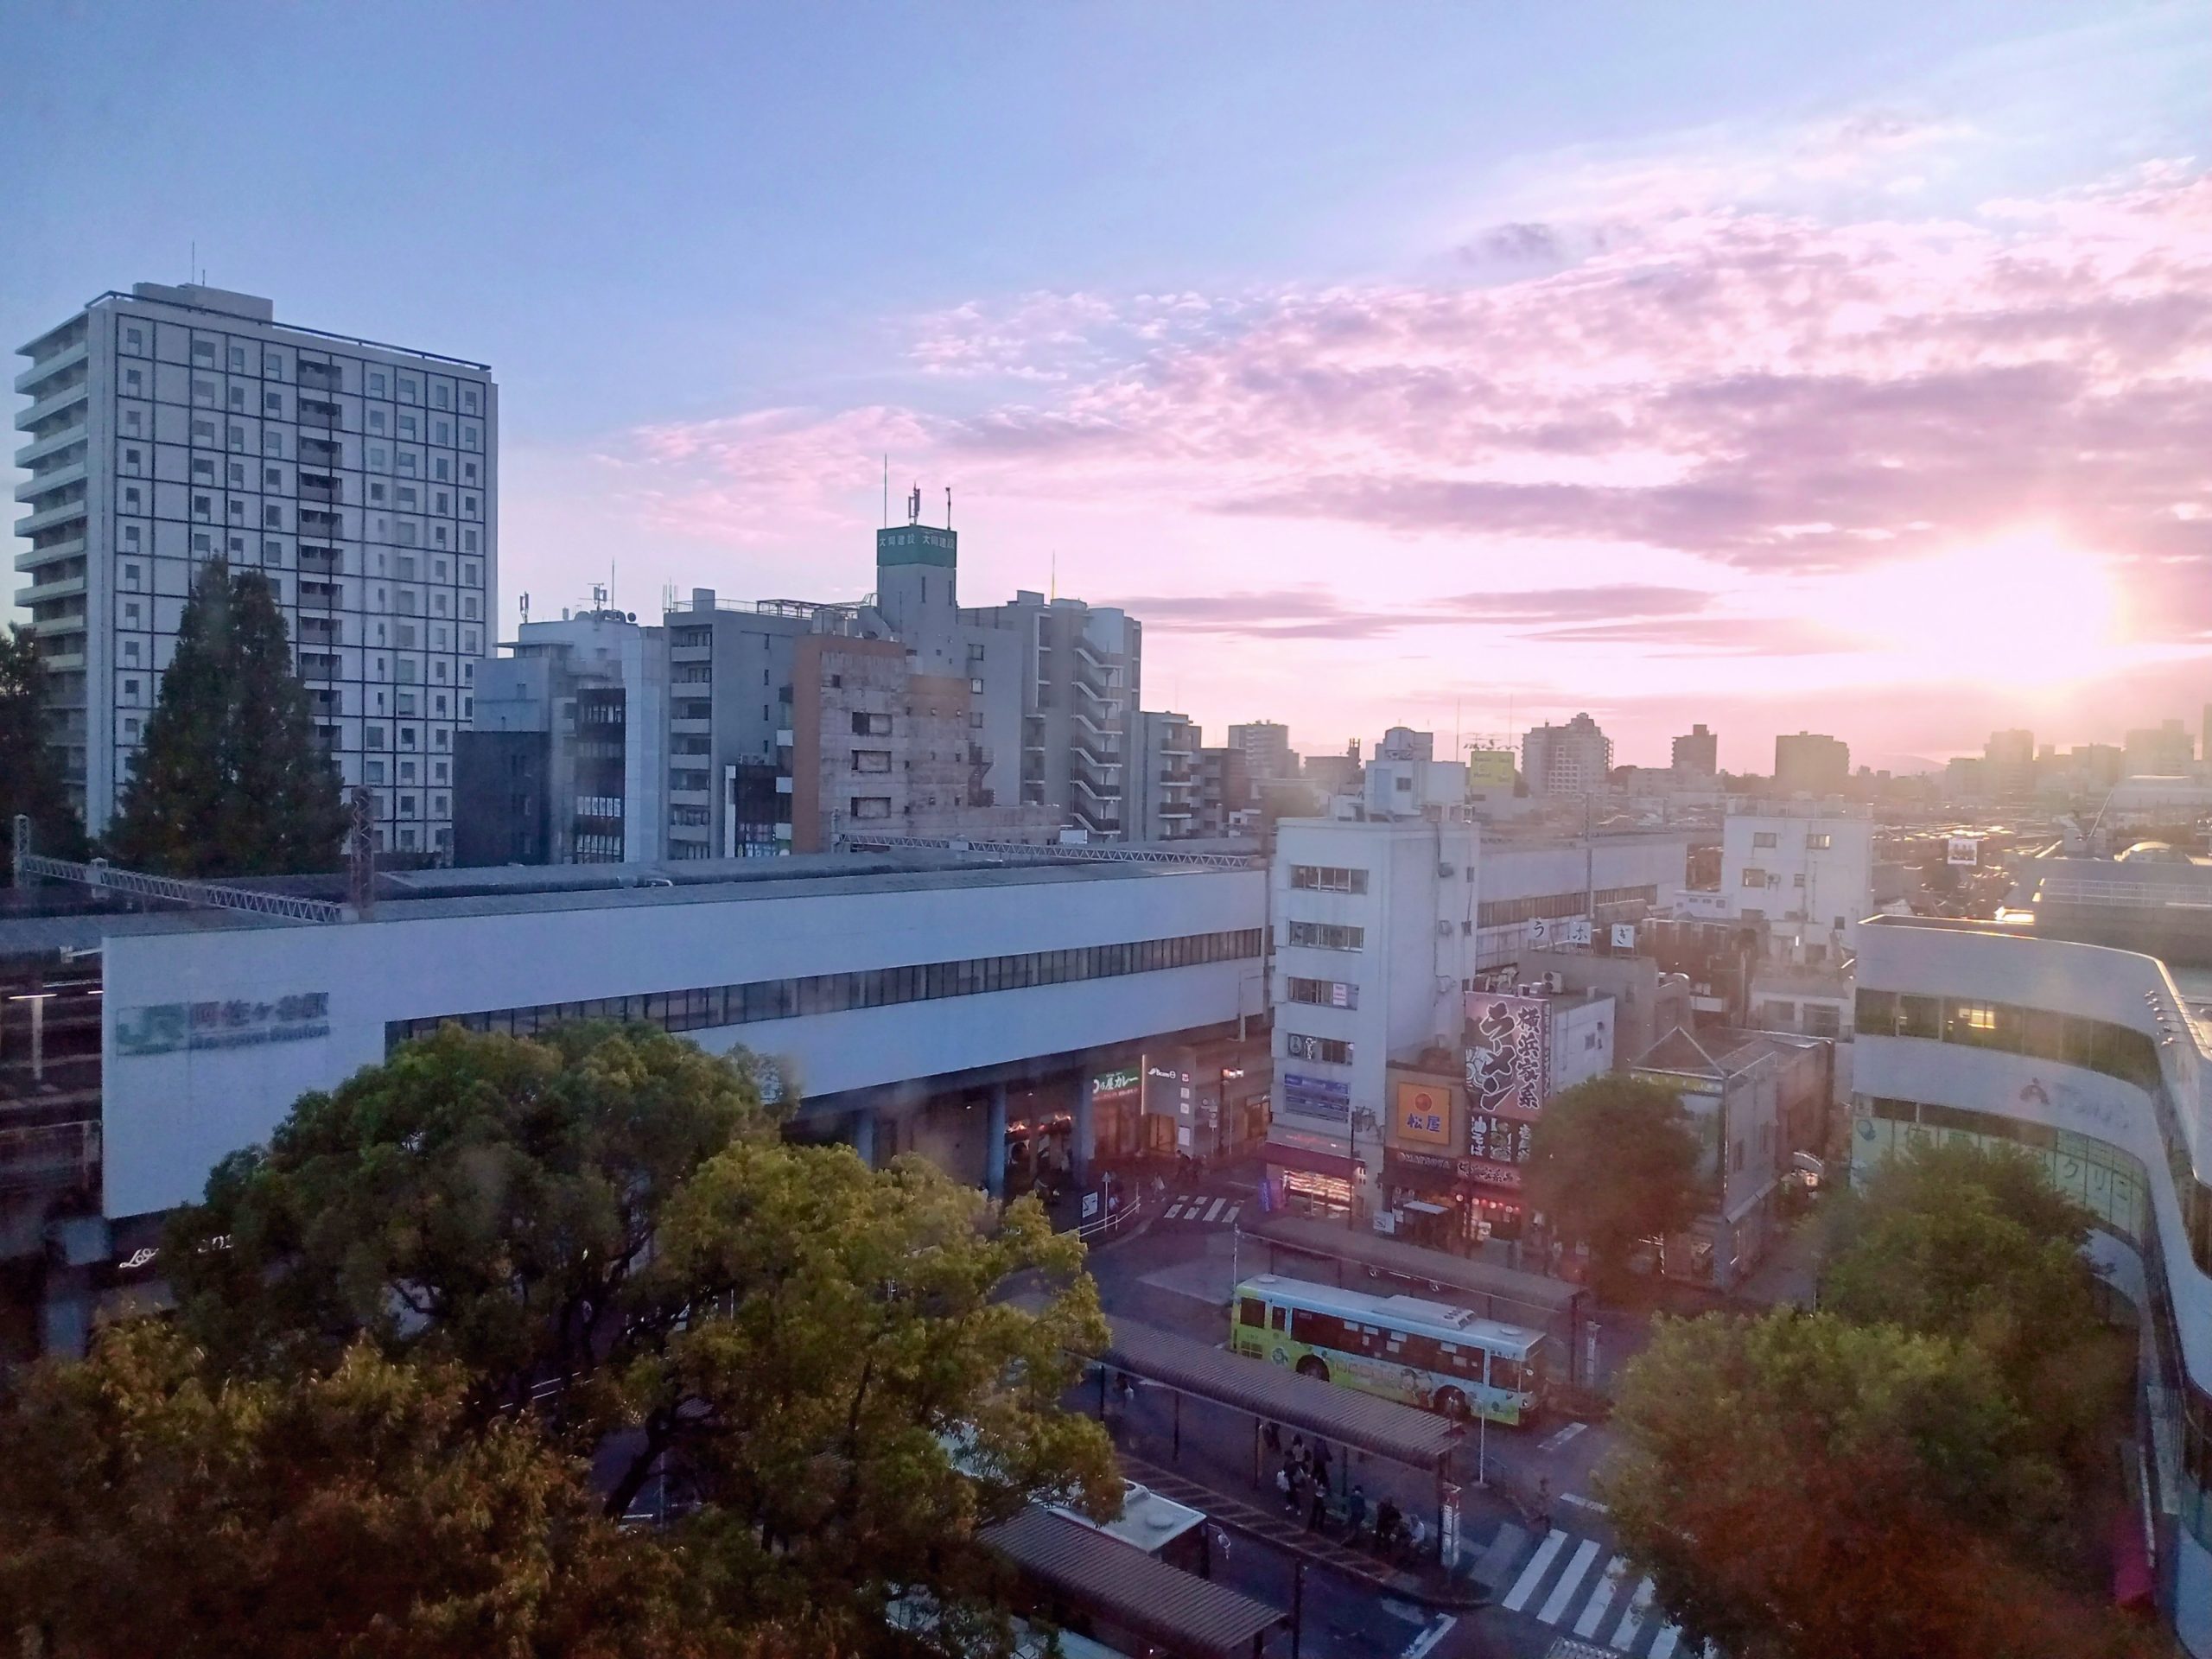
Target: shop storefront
{"type": "Point", "coordinates": [1116, 1112]}
{"type": "Point", "coordinates": [1039, 1138]}
{"type": "Point", "coordinates": [1452, 1203]}
{"type": "Point", "coordinates": [1306, 1176]}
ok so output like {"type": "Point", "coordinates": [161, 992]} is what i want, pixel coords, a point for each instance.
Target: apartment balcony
{"type": "Point", "coordinates": [46, 483]}
{"type": "Point", "coordinates": [70, 622]}
{"type": "Point", "coordinates": [47, 368]}
{"type": "Point", "coordinates": [691, 727]}
{"type": "Point", "coordinates": [319, 596]}
{"type": "Point", "coordinates": [38, 592]}
{"type": "Point", "coordinates": [53, 442]}
{"type": "Point", "coordinates": [691, 797]}
{"type": "Point", "coordinates": [52, 404]}
{"type": "Point", "coordinates": [37, 557]}
{"type": "Point", "coordinates": [318, 669]}
{"type": "Point", "coordinates": [1174, 811]}
{"type": "Point", "coordinates": [64, 662]}
{"type": "Point", "coordinates": [58, 515]}
{"type": "Point", "coordinates": [691, 653]}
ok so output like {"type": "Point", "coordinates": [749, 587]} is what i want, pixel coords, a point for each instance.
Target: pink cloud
{"type": "Point", "coordinates": [1735, 400]}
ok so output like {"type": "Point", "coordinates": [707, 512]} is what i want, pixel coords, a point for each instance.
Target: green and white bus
{"type": "Point", "coordinates": [1421, 1353]}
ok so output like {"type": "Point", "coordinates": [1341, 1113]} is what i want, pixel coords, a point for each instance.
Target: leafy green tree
{"type": "Point", "coordinates": [1613, 1161]}
{"type": "Point", "coordinates": [1800, 1487]}
{"type": "Point", "coordinates": [31, 780]}
{"type": "Point", "coordinates": [231, 779]}
{"type": "Point", "coordinates": [149, 1504]}
{"type": "Point", "coordinates": [813, 1362]}
{"type": "Point", "coordinates": [1963, 1242]}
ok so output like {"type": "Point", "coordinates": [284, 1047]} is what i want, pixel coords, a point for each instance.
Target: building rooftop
{"type": "Point", "coordinates": [507, 890]}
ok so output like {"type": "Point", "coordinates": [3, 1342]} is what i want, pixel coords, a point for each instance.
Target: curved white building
{"type": "Point", "coordinates": [2093, 1057]}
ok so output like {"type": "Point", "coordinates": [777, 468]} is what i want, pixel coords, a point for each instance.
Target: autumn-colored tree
{"type": "Point", "coordinates": [1799, 1487]}
{"type": "Point", "coordinates": [807, 1366]}
{"type": "Point", "coordinates": [231, 779]}
{"type": "Point", "coordinates": [31, 782]}
{"type": "Point", "coordinates": [150, 1505]}
{"type": "Point", "coordinates": [1613, 1161]}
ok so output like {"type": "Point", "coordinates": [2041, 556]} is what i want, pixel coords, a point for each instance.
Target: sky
{"type": "Point", "coordinates": [1840, 366]}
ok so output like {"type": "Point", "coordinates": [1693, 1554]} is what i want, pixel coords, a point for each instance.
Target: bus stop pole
{"type": "Point", "coordinates": [1178, 1455]}
{"type": "Point", "coordinates": [1297, 1603]}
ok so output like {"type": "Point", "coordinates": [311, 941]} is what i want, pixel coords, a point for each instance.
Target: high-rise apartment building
{"type": "Point", "coordinates": [171, 426]}
{"type": "Point", "coordinates": [1811, 764]}
{"type": "Point", "coordinates": [2009, 760]}
{"type": "Point", "coordinates": [1569, 759]}
{"type": "Point", "coordinates": [1163, 775]}
{"type": "Point", "coordinates": [1266, 746]}
{"type": "Point", "coordinates": [1697, 753]}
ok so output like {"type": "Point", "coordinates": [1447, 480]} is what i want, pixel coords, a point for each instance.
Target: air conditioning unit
{"type": "Point", "coordinates": [1554, 983]}
{"type": "Point", "coordinates": [1444, 872]}
{"type": "Point", "coordinates": [1444, 929]}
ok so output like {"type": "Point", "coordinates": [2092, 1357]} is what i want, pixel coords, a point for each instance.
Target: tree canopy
{"type": "Point", "coordinates": [150, 1505]}
{"type": "Point", "coordinates": [1802, 1487]}
{"type": "Point", "coordinates": [809, 1367]}
{"type": "Point", "coordinates": [1613, 1161]}
{"type": "Point", "coordinates": [31, 780]}
{"type": "Point", "coordinates": [231, 779]}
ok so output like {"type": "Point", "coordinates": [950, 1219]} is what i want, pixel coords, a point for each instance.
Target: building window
{"type": "Point", "coordinates": [1765, 838]}
{"type": "Point", "coordinates": [871, 760]}
{"type": "Point", "coordinates": [1819, 843]}
{"type": "Point", "coordinates": [1327, 878]}
{"type": "Point", "coordinates": [871, 806]}
{"type": "Point", "coordinates": [1327, 935]}
{"type": "Point", "coordinates": [1754, 878]}
{"type": "Point", "coordinates": [1323, 993]}
{"type": "Point", "coordinates": [871, 725]}
{"type": "Point", "coordinates": [1326, 1050]}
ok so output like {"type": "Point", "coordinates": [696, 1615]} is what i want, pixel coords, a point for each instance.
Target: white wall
{"type": "Point", "coordinates": [1806, 888]}
{"type": "Point", "coordinates": [169, 1117]}
{"type": "Point", "coordinates": [1582, 1039]}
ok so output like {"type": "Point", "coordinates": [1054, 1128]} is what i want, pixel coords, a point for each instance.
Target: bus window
{"type": "Point", "coordinates": [1279, 1317]}
{"type": "Point", "coordinates": [1251, 1311]}
{"type": "Point", "coordinates": [1319, 1330]}
{"type": "Point", "coordinates": [1508, 1374]}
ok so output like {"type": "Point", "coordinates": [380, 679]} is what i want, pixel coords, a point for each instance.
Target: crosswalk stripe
{"type": "Point", "coordinates": [1662, 1646]}
{"type": "Point", "coordinates": [1632, 1620]}
{"type": "Point", "coordinates": [1174, 1211]}
{"type": "Point", "coordinates": [1564, 1591]}
{"type": "Point", "coordinates": [1229, 1214]}
{"type": "Point", "coordinates": [1533, 1574]}
{"type": "Point", "coordinates": [1559, 1436]}
{"type": "Point", "coordinates": [1215, 1209]}
{"type": "Point", "coordinates": [1601, 1598]}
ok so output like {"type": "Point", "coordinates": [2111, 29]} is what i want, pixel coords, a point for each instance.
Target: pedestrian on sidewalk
{"type": "Point", "coordinates": [1286, 1487]}
{"type": "Point", "coordinates": [1321, 1465]}
{"type": "Point", "coordinates": [1355, 1514]}
{"type": "Point", "coordinates": [1271, 1437]}
{"type": "Point", "coordinates": [1299, 1455]}
{"type": "Point", "coordinates": [1416, 1537]}
{"type": "Point", "coordinates": [1318, 1510]}
{"type": "Point", "coordinates": [1543, 1505]}
{"type": "Point", "coordinates": [1386, 1521]}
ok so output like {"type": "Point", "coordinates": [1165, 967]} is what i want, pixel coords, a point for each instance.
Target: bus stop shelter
{"type": "Point", "coordinates": [1121, 1590]}
{"type": "Point", "coordinates": [1551, 1305]}
{"type": "Point", "coordinates": [1415, 1439]}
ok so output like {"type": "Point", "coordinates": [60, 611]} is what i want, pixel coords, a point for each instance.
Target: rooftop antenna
{"type": "Point", "coordinates": [1054, 593]}
{"type": "Point", "coordinates": [948, 507]}
{"type": "Point", "coordinates": [914, 505]}
{"type": "Point", "coordinates": [525, 608]}
{"type": "Point", "coordinates": [193, 263]}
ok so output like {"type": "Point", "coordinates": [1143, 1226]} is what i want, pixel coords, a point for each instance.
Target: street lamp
{"type": "Point", "coordinates": [38, 1000]}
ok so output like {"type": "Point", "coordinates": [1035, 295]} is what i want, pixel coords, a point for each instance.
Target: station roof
{"type": "Point", "coordinates": [1180, 1610]}
{"type": "Point", "coordinates": [1381, 1426]}
{"type": "Point", "coordinates": [1439, 1268]}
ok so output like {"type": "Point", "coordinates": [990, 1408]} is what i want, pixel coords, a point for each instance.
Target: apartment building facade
{"type": "Point", "coordinates": [171, 426]}
{"type": "Point", "coordinates": [1569, 759]}
{"type": "Point", "coordinates": [1163, 775]}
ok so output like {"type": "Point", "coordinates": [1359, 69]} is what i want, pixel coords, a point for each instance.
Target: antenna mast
{"type": "Point", "coordinates": [948, 507]}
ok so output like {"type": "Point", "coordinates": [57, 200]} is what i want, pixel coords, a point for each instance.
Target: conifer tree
{"type": "Point", "coordinates": [31, 782]}
{"type": "Point", "coordinates": [230, 780]}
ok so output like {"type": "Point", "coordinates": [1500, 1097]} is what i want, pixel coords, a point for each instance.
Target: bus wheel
{"type": "Point", "coordinates": [1310, 1366]}
{"type": "Point", "coordinates": [1453, 1404]}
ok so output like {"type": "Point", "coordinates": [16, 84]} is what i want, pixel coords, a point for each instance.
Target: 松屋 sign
{"type": "Point", "coordinates": [236, 1022]}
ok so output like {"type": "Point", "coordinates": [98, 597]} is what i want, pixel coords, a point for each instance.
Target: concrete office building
{"type": "Point", "coordinates": [1374, 942]}
{"type": "Point", "coordinates": [1697, 754]}
{"type": "Point", "coordinates": [1163, 775]}
{"type": "Point", "coordinates": [2162, 751]}
{"type": "Point", "coordinates": [1810, 763]}
{"type": "Point", "coordinates": [565, 760]}
{"type": "Point", "coordinates": [1530, 888]}
{"type": "Point", "coordinates": [2009, 762]}
{"type": "Point", "coordinates": [1266, 748]}
{"type": "Point", "coordinates": [1806, 868]}
{"type": "Point", "coordinates": [1569, 759]}
{"type": "Point", "coordinates": [2097, 1061]}
{"type": "Point", "coordinates": [174, 425]}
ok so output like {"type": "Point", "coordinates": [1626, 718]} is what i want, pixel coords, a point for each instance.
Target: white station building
{"type": "Point", "coordinates": [2098, 1060]}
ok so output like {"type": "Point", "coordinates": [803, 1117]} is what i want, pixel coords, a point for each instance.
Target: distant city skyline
{"type": "Point", "coordinates": [1513, 383]}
